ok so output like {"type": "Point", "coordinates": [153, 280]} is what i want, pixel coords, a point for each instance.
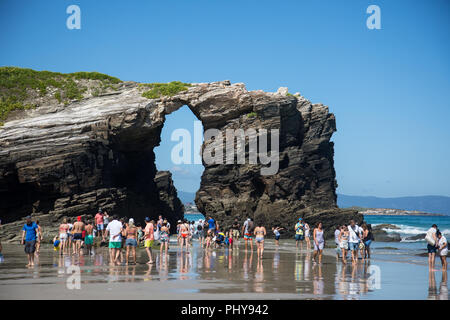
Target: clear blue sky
{"type": "Point", "coordinates": [388, 88]}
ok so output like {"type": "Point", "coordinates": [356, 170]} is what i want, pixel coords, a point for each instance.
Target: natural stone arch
{"type": "Point", "coordinates": [99, 152]}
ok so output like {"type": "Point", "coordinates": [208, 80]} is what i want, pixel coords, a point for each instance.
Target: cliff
{"type": "Point", "coordinates": [66, 159]}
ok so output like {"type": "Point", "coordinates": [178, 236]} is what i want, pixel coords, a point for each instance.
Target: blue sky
{"type": "Point", "coordinates": [388, 88]}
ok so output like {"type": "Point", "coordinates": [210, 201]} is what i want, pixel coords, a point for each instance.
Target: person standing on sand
{"type": "Point", "coordinates": [149, 238]}
{"type": "Point", "coordinates": [307, 235]}
{"type": "Point", "coordinates": [319, 242]}
{"type": "Point", "coordinates": [63, 236]}
{"type": "Point", "coordinates": [200, 233]}
{"type": "Point", "coordinates": [131, 242]}
{"type": "Point", "coordinates": [114, 229]}
{"type": "Point", "coordinates": [443, 249]}
{"type": "Point", "coordinates": [30, 232]}
{"type": "Point", "coordinates": [432, 243]}
{"type": "Point", "coordinates": [337, 232]}
{"type": "Point", "coordinates": [164, 238]}
{"type": "Point", "coordinates": [235, 229]}
{"type": "Point", "coordinates": [247, 231]}
{"type": "Point", "coordinates": [260, 233]}
{"type": "Point", "coordinates": [354, 239]}
{"type": "Point", "coordinates": [99, 224]}
{"type": "Point", "coordinates": [184, 233]}
{"type": "Point", "coordinates": [343, 242]}
{"type": "Point", "coordinates": [89, 238]}
{"type": "Point", "coordinates": [367, 239]}
{"type": "Point", "coordinates": [78, 228]}
{"type": "Point", "coordinates": [276, 232]}
{"type": "Point", "coordinates": [299, 233]}
{"type": "Point", "coordinates": [38, 239]}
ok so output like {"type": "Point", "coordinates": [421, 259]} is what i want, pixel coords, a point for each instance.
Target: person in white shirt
{"type": "Point", "coordinates": [431, 245]}
{"type": "Point", "coordinates": [443, 249]}
{"type": "Point", "coordinates": [337, 232]}
{"type": "Point", "coordinates": [114, 229]}
{"type": "Point", "coordinates": [354, 239]}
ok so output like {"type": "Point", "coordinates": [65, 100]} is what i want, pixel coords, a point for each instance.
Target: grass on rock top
{"type": "Point", "coordinates": [19, 86]}
{"type": "Point", "coordinates": [22, 89]}
{"type": "Point", "coordinates": [157, 90]}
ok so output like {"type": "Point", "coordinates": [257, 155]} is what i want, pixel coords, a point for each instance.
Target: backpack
{"type": "Point", "coordinates": [250, 227]}
{"type": "Point", "coordinates": [429, 238]}
{"type": "Point", "coordinates": [199, 227]}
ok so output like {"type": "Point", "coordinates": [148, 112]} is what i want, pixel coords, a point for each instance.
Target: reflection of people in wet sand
{"type": "Point", "coordinates": [259, 277]}
{"type": "Point", "coordinates": [318, 284]}
{"type": "Point", "coordinates": [432, 291]}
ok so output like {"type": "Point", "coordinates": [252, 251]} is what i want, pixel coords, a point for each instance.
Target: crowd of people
{"type": "Point", "coordinates": [124, 236]}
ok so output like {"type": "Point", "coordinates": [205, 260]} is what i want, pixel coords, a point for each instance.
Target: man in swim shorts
{"type": "Point", "coordinates": [247, 230]}
{"type": "Point", "coordinates": [89, 239]}
{"type": "Point", "coordinates": [149, 238]}
{"type": "Point", "coordinates": [30, 232]}
{"type": "Point", "coordinates": [77, 229]}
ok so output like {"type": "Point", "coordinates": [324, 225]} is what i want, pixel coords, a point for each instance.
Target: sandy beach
{"type": "Point", "coordinates": [283, 273]}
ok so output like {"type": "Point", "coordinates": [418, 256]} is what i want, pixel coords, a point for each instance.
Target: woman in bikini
{"type": "Point", "coordinates": [131, 233]}
{"type": "Point", "coordinates": [260, 232]}
{"type": "Point", "coordinates": [319, 242]}
{"type": "Point", "coordinates": [63, 231]}
{"type": "Point", "coordinates": [164, 238]}
{"type": "Point", "coordinates": [184, 232]}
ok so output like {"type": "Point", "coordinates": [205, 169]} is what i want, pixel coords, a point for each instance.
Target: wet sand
{"type": "Point", "coordinates": [283, 273]}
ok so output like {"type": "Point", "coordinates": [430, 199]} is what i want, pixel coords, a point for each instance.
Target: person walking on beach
{"type": "Point", "coordinates": [337, 232]}
{"type": "Point", "coordinates": [99, 224]}
{"type": "Point", "coordinates": [260, 233]}
{"type": "Point", "coordinates": [353, 240]}
{"type": "Point", "coordinates": [247, 230]}
{"type": "Point", "coordinates": [276, 232]}
{"type": "Point", "coordinates": [343, 242]}
{"type": "Point", "coordinates": [78, 228]}
{"type": "Point", "coordinates": [149, 238]}
{"type": "Point", "coordinates": [319, 242]}
{"type": "Point", "coordinates": [114, 229]}
{"type": "Point", "coordinates": [184, 232]}
{"type": "Point", "coordinates": [442, 249]}
{"type": "Point", "coordinates": [131, 240]}
{"type": "Point", "coordinates": [307, 235]}
{"type": "Point", "coordinates": [432, 243]}
{"type": "Point", "coordinates": [212, 224]}
{"type": "Point", "coordinates": [38, 239]}
{"type": "Point", "coordinates": [299, 233]}
{"type": "Point", "coordinates": [30, 232]}
{"type": "Point", "coordinates": [164, 237]}
{"type": "Point", "coordinates": [200, 233]}
{"type": "Point", "coordinates": [89, 238]}
{"type": "Point", "coordinates": [235, 227]}
{"type": "Point", "coordinates": [367, 239]}
{"type": "Point", "coordinates": [63, 236]}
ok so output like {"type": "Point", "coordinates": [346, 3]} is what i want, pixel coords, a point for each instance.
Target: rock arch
{"type": "Point", "coordinates": [98, 152]}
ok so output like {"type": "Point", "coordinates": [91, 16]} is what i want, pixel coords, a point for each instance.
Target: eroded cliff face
{"type": "Point", "coordinates": [98, 152]}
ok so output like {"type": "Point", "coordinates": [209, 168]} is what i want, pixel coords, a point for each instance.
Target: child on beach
{"type": "Point", "coordinates": [56, 243]}
{"type": "Point", "coordinates": [276, 232]}
{"type": "Point", "coordinates": [442, 249]}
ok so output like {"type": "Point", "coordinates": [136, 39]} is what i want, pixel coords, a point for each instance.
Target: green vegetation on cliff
{"type": "Point", "coordinates": [20, 88]}
{"type": "Point", "coordinates": [157, 90]}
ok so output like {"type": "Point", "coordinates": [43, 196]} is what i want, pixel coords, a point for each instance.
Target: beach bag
{"type": "Point", "coordinates": [156, 235]}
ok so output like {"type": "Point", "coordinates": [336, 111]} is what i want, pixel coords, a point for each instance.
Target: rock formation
{"type": "Point", "coordinates": [98, 152]}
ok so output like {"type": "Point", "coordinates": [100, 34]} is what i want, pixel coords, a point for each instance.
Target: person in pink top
{"type": "Point", "coordinates": [149, 238]}
{"type": "Point", "coordinates": [99, 224]}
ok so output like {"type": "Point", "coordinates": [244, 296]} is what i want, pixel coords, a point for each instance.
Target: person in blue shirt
{"type": "Point", "coordinates": [30, 232]}
{"type": "Point", "coordinates": [212, 224]}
